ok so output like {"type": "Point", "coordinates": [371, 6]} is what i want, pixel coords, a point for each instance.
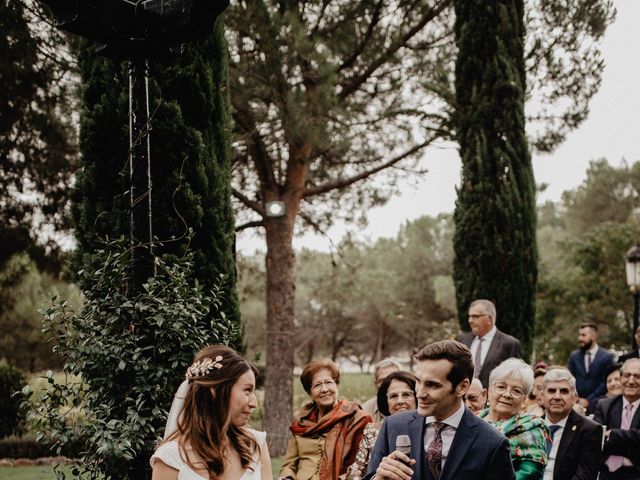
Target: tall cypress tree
{"type": "Point", "coordinates": [494, 242]}
{"type": "Point", "coordinates": [190, 160]}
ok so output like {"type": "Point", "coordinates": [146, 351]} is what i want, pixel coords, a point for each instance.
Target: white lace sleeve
{"type": "Point", "coordinates": [169, 454]}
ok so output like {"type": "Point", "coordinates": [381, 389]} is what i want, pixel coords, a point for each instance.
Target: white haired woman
{"type": "Point", "coordinates": [509, 384]}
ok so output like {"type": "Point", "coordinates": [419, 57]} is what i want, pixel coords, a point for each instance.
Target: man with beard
{"type": "Point", "coordinates": [588, 365]}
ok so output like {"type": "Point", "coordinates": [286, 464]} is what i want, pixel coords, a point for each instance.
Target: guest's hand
{"type": "Point", "coordinates": [395, 466]}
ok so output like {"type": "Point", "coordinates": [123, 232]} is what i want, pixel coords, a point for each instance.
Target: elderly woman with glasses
{"type": "Point", "coordinates": [327, 431]}
{"type": "Point", "coordinates": [397, 393]}
{"type": "Point", "coordinates": [509, 384]}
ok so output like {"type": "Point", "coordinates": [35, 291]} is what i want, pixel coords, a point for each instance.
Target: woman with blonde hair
{"type": "Point", "coordinates": [207, 434]}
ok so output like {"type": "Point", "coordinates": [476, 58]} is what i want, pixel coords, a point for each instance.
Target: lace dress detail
{"type": "Point", "coordinates": [169, 454]}
{"type": "Point", "coordinates": [358, 469]}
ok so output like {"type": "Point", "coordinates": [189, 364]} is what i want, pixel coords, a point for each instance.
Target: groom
{"type": "Point", "coordinates": [451, 442]}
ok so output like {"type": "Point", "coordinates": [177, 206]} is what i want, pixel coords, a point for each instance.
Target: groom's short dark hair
{"type": "Point", "coordinates": [455, 352]}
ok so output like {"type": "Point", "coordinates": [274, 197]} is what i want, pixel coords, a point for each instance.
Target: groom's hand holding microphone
{"type": "Point", "coordinates": [397, 465]}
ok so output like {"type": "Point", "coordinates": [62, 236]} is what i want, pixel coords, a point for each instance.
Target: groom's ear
{"type": "Point", "coordinates": [463, 386]}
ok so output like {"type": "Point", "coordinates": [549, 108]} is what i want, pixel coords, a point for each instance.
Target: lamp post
{"type": "Point", "coordinates": [632, 266]}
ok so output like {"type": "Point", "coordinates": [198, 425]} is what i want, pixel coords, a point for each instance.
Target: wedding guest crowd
{"type": "Point", "coordinates": [473, 410]}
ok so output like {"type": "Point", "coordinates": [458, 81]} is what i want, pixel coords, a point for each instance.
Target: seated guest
{"type": "Point", "coordinates": [621, 416]}
{"type": "Point", "coordinates": [476, 397]}
{"type": "Point", "coordinates": [327, 431]}
{"type": "Point", "coordinates": [381, 370]}
{"type": "Point", "coordinates": [397, 393]}
{"type": "Point", "coordinates": [575, 453]}
{"type": "Point", "coordinates": [533, 403]}
{"type": "Point", "coordinates": [509, 384]}
{"type": "Point", "coordinates": [612, 379]}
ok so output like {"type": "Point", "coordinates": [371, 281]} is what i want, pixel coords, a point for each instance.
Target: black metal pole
{"type": "Point", "coordinates": [140, 175]}
{"type": "Point", "coordinates": [636, 314]}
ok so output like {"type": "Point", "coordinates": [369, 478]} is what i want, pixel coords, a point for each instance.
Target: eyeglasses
{"type": "Point", "coordinates": [320, 385]}
{"type": "Point", "coordinates": [396, 397]}
{"type": "Point", "coordinates": [628, 375]}
{"type": "Point", "coordinates": [501, 389]}
{"type": "Point", "coordinates": [474, 316]}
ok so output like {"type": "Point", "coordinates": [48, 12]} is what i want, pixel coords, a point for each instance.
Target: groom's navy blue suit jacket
{"type": "Point", "coordinates": [478, 451]}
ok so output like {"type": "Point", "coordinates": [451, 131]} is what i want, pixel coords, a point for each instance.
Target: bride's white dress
{"type": "Point", "coordinates": [169, 454]}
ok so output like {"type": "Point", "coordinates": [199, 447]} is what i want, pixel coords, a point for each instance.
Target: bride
{"type": "Point", "coordinates": [207, 435]}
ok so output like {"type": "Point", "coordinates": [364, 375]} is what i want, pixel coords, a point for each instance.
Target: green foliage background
{"type": "Point", "coordinates": [190, 161]}
{"type": "Point", "coordinates": [495, 215]}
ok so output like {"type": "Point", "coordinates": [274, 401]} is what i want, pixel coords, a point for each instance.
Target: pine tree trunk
{"type": "Point", "coordinates": [278, 402]}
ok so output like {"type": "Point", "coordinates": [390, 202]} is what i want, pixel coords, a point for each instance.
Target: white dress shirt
{"type": "Point", "coordinates": [548, 470]}
{"type": "Point", "coordinates": [447, 433]}
{"type": "Point", "coordinates": [485, 344]}
{"type": "Point", "coordinates": [593, 350]}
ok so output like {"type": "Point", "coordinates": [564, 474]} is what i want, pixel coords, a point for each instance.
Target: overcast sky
{"type": "Point", "coordinates": [611, 131]}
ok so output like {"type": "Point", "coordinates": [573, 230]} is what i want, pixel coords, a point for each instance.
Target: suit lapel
{"type": "Point", "coordinates": [496, 343]}
{"type": "Point", "coordinates": [635, 421]}
{"type": "Point", "coordinates": [416, 433]}
{"type": "Point", "coordinates": [615, 413]}
{"type": "Point", "coordinates": [462, 441]}
{"type": "Point", "coordinates": [568, 434]}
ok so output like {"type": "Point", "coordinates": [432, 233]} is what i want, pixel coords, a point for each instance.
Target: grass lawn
{"type": "Point", "coordinates": [44, 472]}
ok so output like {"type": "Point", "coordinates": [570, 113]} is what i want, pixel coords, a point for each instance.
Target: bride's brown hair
{"type": "Point", "coordinates": [204, 422]}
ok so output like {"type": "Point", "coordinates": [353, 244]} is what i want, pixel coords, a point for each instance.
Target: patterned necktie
{"type": "Point", "coordinates": [614, 462]}
{"type": "Point", "coordinates": [552, 429]}
{"type": "Point", "coordinates": [478, 360]}
{"type": "Point", "coordinates": [434, 452]}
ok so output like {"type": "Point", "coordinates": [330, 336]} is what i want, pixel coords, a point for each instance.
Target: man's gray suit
{"type": "Point", "coordinates": [478, 451]}
{"type": "Point", "coordinates": [502, 346]}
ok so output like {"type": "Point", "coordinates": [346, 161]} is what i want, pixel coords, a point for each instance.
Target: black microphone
{"type": "Point", "coordinates": [403, 444]}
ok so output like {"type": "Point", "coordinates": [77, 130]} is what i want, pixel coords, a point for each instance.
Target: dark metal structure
{"type": "Point", "coordinates": [137, 31]}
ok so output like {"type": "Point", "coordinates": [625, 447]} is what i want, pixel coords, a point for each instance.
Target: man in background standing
{"type": "Point", "coordinates": [489, 346]}
{"type": "Point", "coordinates": [588, 365]}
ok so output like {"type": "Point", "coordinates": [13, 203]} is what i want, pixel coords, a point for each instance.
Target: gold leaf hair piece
{"type": "Point", "coordinates": [203, 367]}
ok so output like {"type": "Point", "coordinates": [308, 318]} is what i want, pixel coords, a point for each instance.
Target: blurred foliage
{"type": "Point", "coordinates": [364, 301]}
{"type": "Point", "coordinates": [12, 411]}
{"type": "Point", "coordinates": [38, 146]}
{"type": "Point", "coordinates": [25, 290]}
{"type": "Point", "coordinates": [124, 358]}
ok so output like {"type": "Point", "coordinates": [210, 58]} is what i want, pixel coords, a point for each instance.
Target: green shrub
{"type": "Point", "coordinates": [125, 358]}
{"type": "Point", "coordinates": [28, 447]}
{"type": "Point", "coordinates": [12, 413]}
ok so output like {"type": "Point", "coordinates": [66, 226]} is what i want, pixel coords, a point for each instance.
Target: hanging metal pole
{"type": "Point", "coordinates": [140, 174]}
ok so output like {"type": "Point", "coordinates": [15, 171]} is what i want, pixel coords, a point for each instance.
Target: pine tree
{"type": "Point", "coordinates": [190, 160]}
{"type": "Point", "coordinates": [495, 243]}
